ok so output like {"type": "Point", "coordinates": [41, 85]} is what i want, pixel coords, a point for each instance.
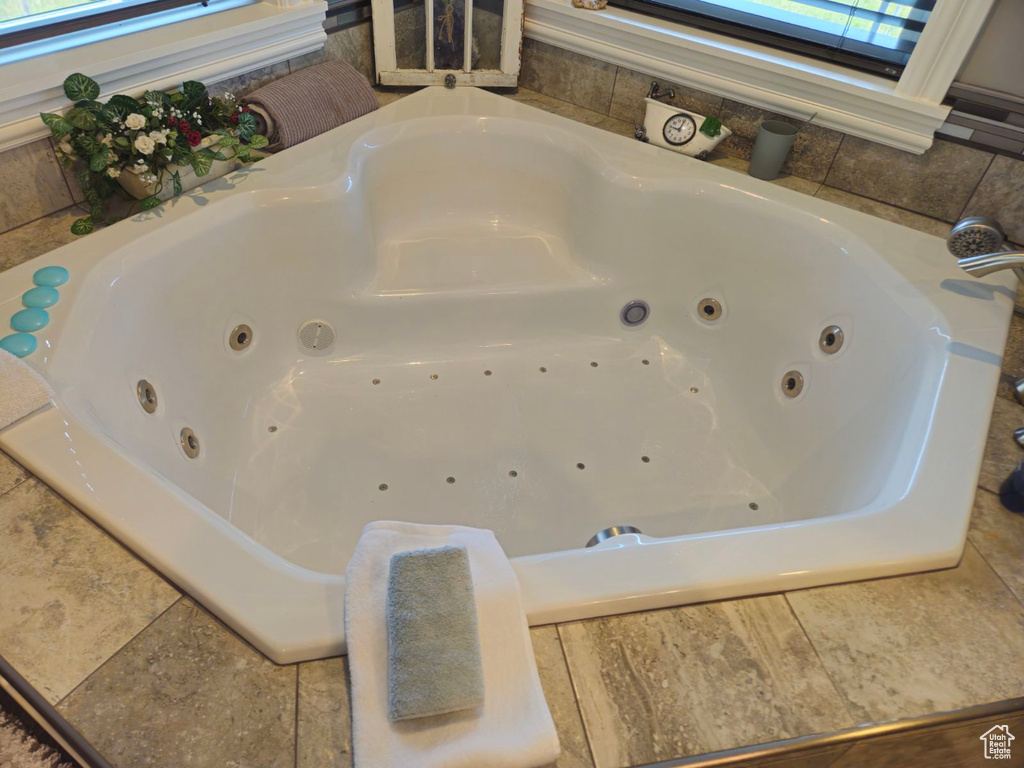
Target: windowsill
{"type": "Point", "coordinates": [846, 100]}
{"type": "Point", "coordinates": [208, 48]}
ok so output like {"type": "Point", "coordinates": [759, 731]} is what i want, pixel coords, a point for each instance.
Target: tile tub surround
{"type": "Point", "coordinates": [35, 185]}
{"type": "Point", "coordinates": [947, 182]}
{"type": "Point", "coordinates": [624, 690]}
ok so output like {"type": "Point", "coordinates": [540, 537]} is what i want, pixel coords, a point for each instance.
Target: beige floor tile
{"type": "Point", "coordinates": [555, 106]}
{"type": "Point", "coordinates": [918, 644]}
{"type": "Point", "coordinates": [1013, 358]}
{"type": "Point", "coordinates": [786, 180]}
{"type": "Point", "coordinates": [999, 196]}
{"type": "Point", "coordinates": [40, 236]}
{"type": "Point", "coordinates": [1002, 453]}
{"type": "Point", "coordinates": [883, 211]}
{"type": "Point", "coordinates": [937, 183]}
{"type": "Point", "coordinates": [11, 473]}
{"type": "Point", "coordinates": [70, 596]}
{"type": "Point", "coordinates": [567, 76]}
{"type": "Point", "coordinates": [324, 716]}
{"type": "Point", "coordinates": [187, 693]}
{"type": "Point", "coordinates": [998, 535]}
{"type": "Point", "coordinates": [325, 734]}
{"type": "Point", "coordinates": [554, 678]}
{"type": "Point", "coordinates": [619, 127]}
{"type": "Point", "coordinates": [32, 184]}
{"type": "Point", "coordinates": [686, 681]}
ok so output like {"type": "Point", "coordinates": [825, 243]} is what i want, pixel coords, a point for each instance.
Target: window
{"type": "Point", "coordinates": [875, 35]}
{"type": "Point", "coordinates": [25, 21]}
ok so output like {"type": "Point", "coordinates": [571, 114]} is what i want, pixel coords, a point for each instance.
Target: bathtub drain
{"type": "Point", "coordinates": [316, 335]}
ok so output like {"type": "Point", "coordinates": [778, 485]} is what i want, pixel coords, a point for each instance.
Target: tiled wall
{"type": "Point", "coordinates": [34, 184]}
{"type": "Point", "coordinates": [947, 182]}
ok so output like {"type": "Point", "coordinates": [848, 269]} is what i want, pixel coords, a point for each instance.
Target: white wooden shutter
{"type": "Point", "coordinates": [448, 42]}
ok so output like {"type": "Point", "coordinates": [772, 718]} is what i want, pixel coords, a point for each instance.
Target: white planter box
{"type": "Point", "coordinates": [133, 184]}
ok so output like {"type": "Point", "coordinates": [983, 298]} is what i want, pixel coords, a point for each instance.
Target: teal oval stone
{"type": "Point", "coordinates": [19, 344]}
{"type": "Point", "coordinates": [30, 319]}
{"type": "Point", "coordinates": [50, 276]}
{"type": "Point", "coordinates": [40, 297]}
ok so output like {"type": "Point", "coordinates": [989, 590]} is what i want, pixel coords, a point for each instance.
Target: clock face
{"type": "Point", "coordinates": [679, 129]}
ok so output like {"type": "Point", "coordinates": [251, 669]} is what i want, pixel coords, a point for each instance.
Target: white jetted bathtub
{"type": "Point", "coordinates": [473, 257]}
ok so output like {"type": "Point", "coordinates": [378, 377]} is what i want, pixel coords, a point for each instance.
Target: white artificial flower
{"type": "Point", "coordinates": [66, 148]}
{"type": "Point", "coordinates": [106, 140]}
{"type": "Point", "coordinates": [113, 171]}
{"type": "Point", "coordinates": [160, 137]}
{"type": "Point", "coordinates": [135, 121]}
{"type": "Point", "coordinates": [145, 145]}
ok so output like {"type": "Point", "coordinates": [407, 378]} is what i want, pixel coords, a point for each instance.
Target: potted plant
{"type": "Point", "coordinates": [150, 148]}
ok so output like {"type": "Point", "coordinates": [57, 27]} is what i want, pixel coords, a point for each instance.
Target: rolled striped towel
{"type": "Point", "coordinates": [313, 100]}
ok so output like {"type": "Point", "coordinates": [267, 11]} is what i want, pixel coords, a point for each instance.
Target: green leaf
{"type": "Point", "coordinates": [123, 105]}
{"type": "Point", "coordinates": [149, 203]}
{"type": "Point", "coordinates": [82, 226]}
{"type": "Point", "coordinates": [202, 162]}
{"type": "Point", "coordinates": [176, 179]}
{"type": "Point", "coordinates": [181, 154]}
{"type": "Point", "coordinates": [98, 161]}
{"type": "Point", "coordinates": [86, 144]}
{"type": "Point", "coordinates": [155, 98]}
{"type": "Point", "coordinates": [246, 126]}
{"type": "Point", "coordinates": [244, 154]}
{"type": "Point", "coordinates": [194, 91]}
{"type": "Point", "coordinates": [58, 126]}
{"type": "Point", "coordinates": [78, 87]}
{"type": "Point", "coordinates": [711, 126]}
{"type": "Point", "coordinates": [122, 142]}
{"type": "Point", "coordinates": [259, 141]}
{"type": "Point", "coordinates": [228, 141]}
{"type": "Point", "coordinates": [81, 118]}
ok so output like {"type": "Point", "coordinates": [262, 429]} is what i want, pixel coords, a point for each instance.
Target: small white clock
{"type": "Point", "coordinates": [679, 129]}
{"type": "Point", "coordinates": [668, 127]}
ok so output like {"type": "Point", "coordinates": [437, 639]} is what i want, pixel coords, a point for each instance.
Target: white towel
{"type": "Point", "coordinates": [513, 729]}
{"type": "Point", "coordinates": [22, 390]}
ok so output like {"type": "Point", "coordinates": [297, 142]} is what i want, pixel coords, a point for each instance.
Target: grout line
{"type": "Point", "coordinates": [1018, 598]}
{"type": "Point", "coordinates": [116, 653]}
{"type": "Point", "coordinates": [28, 476]}
{"type": "Point", "coordinates": [821, 661]}
{"type": "Point", "coordinates": [974, 191]}
{"type": "Point", "coordinates": [839, 146]}
{"type": "Point", "coordinates": [575, 695]}
{"type": "Point", "coordinates": [298, 671]}
{"type": "Point", "coordinates": [60, 170]}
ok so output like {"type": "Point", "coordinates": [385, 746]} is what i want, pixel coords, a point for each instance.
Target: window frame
{"type": "Point", "coordinates": [88, 19]}
{"type": "Point", "coordinates": [903, 113]}
{"type": "Point", "coordinates": [149, 53]}
{"type": "Point", "coordinates": [659, 9]}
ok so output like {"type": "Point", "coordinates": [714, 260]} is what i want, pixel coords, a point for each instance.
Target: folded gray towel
{"type": "Point", "coordinates": [434, 663]}
{"type": "Point", "coordinates": [310, 102]}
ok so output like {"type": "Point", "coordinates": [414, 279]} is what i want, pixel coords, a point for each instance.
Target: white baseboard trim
{"type": "Point", "coordinates": [852, 102]}
{"type": "Point", "coordinates": [208, 48]}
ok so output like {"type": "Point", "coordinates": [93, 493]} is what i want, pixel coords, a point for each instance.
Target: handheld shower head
{"type": "Point", "coordinates": [975, 236]}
